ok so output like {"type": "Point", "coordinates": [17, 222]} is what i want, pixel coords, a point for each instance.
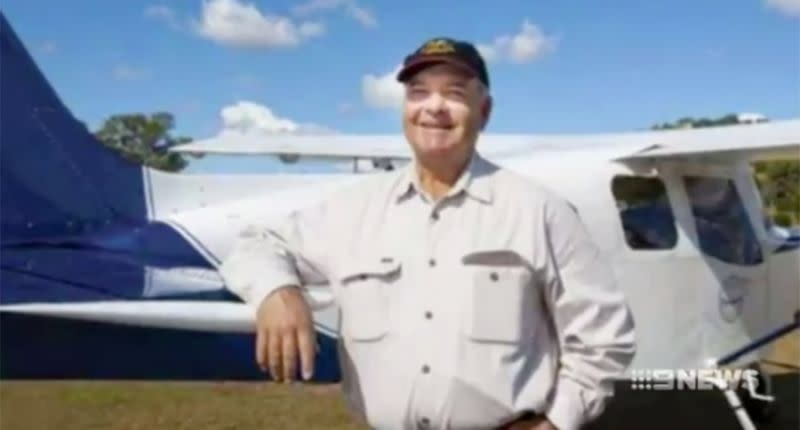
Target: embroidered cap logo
{"type": "Point", "coordinates": [438, 46]}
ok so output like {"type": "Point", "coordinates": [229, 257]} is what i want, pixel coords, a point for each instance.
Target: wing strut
{"type": "Point", "coordinates": [740, 409]}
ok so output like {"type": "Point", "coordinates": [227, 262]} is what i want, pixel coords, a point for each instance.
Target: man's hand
{"type": "Point", "coordinates": [284, 327]}
{"type": "Point", "coordinates": [538, 423]}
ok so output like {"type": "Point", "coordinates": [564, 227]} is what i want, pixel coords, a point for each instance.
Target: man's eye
{"type": "Point", "coordinates": [456, 93]}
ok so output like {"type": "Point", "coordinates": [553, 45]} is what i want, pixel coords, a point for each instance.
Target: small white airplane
{"type": "Point", "coordinates": [109, 268]}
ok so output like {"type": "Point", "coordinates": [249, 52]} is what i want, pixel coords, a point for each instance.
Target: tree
{"type": "Point", "coordinates": [144, 139]}
{"type": "Point", "coordinates": [778, 181]}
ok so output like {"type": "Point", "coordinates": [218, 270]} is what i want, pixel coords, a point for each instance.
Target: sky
{"type": "Point", "coordinates": [327, 66]}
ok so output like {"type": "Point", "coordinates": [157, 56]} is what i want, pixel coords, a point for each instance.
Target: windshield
{"type": "Point", "coordinates": [723, 228]}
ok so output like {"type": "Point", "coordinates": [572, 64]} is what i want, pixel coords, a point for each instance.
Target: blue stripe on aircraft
{"type": "Point", "coordinates": [51, 348]}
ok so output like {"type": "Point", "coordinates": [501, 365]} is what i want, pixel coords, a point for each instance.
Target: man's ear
{"type": "Point", "coordinates": [486, 111]}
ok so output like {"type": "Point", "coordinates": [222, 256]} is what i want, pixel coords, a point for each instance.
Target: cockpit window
{"type": "Point", "coordinates": [645, 212]}
{"type": "Point", "coordinates": [723, 227]}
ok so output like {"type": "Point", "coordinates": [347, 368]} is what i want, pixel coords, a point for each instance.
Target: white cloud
{"type": "Point", "coordinates": [250, 117]}
{"type": "Point", "coordinates": [164, 14]}
{"type": "Point", "coordinates": [240, 24]}
{"type": "Point", "coordinates": [362, 15]}
{"type": "Point", "coordinates": [125, 72]}
{"type": "Point", "coordinates": [311, 29]}
{"type": "Point", "coordinates": [382, 92]}
{"type": "Point", "coordinates": [787, 7]}
{"type": "Point", "coordinates": [526, 46]}
{"type": "Point", "coordinates": [350, 7]}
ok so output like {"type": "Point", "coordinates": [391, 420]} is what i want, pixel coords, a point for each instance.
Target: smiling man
{"type": "Point", "coordinates": [470, 297]}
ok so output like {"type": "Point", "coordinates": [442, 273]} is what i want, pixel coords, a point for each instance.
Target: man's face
{"type": "Point", "coordinates": [443, 111]}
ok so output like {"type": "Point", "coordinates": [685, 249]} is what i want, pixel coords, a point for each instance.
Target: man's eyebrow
{"type": "Point", "coordinates": [459, 83]}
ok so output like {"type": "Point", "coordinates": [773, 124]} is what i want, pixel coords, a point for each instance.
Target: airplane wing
{"type": "Point", "coordinates": [756, 142]}
{"type": "Point", "coordinates": [316, 146]}
{"type": "Point", "coordinates": [349, 146]}
{"type": "Point", "coordinates": [780, 139]}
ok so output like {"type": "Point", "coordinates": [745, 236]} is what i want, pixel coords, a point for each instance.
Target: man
{"type": "Point", "coordinates": [470, 297]}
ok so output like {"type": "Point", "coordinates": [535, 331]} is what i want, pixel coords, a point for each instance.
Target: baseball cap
{"type": "Point", "coordinates": [445, 50]}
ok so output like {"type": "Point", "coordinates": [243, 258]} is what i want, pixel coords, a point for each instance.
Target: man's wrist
{"type": "Point", "coordinates": [550, 424]}
{"type": "Point", "coordinates": [257, 297]}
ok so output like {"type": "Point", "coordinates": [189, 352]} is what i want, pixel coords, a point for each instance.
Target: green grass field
{"type": "Point", "coordinates": [27, 405]}
{"type": "Point", "coordinates": [49, 405]}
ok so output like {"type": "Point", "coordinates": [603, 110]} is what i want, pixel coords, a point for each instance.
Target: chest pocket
{"type": "Point", "coordinates": [364, 296]}
{"type": "Point", "coordinates": [502, 303]}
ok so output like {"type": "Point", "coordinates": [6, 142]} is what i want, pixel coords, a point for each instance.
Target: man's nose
{"type": "Point", "coordinates": [435, 103]}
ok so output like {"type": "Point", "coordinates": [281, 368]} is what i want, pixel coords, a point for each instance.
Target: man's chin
{"type": "Point", "coordinates": [436, 148]}
{"type": "Point", "coordinates": [436, 155]}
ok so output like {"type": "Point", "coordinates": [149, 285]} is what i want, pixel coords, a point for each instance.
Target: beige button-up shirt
{"type": "Point", "coordinates": [461, 313]}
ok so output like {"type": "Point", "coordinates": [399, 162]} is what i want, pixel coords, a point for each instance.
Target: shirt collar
{"type": "Point", "coordinates": [475, 181]}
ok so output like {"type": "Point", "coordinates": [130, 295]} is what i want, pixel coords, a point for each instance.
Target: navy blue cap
{"type": "Point", "coordinates": [445, 50]}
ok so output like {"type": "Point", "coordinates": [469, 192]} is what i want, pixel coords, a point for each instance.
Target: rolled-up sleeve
{"type": "Point", "coordinates": [594, 323]}
{"type": "Point", "coordinates": [267, 257]}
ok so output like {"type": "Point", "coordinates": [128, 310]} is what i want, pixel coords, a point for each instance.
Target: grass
{"type": "Point", "coordinates": [46, 405]}
{"type": "Point", "coordinates": [173, 405]}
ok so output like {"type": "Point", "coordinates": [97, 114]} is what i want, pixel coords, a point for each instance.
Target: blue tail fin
{"type": "Point", "coordinates": [57, 180]}
{"type": "Point", "coordinates": [73, 213]}
{"type": "Point", "coordinates": [74, 228]}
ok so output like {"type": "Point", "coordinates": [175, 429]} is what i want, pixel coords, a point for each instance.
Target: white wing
{"type": "Point", "coordinates": [766, 141]}
{"type": "Point", "coordinates": [779, 139]}
{"type": "Point", "coordinates": [338, 146]}
{"type": "Point", "coordinates": [317, 146]}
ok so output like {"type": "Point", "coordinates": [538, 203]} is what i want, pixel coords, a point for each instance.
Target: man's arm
{"type": "Point", "coordinates": [593, 322]}
{"type": "Point", "coordinates": [265, 258]}
{"type": "Point", "coordinates": [266, 267]}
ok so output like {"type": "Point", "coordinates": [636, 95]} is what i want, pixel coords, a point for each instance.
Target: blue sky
{"type": "Point", "coordinates": [560, 66]}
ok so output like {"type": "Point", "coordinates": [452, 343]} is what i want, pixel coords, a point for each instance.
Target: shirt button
{"type": "Point", "coordinates": [435, 216]}
{"type": "Point", "coordinates": [424, 422]}
{"type": "Point", "coordinates": [494, 276]}
{"type": "Point", "coordinates": [432, 262]}
{"type": "Point", "coordinates": [428, 315]}
{"type": "Point", "coordinates": [426, 369]}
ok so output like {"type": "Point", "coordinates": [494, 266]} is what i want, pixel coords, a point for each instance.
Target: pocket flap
{"type": "Point", "coordinates": [354, 268]}
{"type": "Point", "coordinates": [496, 258]}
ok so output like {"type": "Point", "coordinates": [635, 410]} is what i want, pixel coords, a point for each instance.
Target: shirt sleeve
{"type": "Point", "coordinates": [593, 321]}
{"type": "Point", "coordinates": [289, 253]}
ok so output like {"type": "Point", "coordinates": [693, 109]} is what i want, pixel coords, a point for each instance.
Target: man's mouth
{"type": "Point", "coordinates": [436, 126]}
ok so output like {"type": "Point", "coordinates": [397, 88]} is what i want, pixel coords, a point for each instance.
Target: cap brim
{"type": "Point", "coordinates": [416, 65]}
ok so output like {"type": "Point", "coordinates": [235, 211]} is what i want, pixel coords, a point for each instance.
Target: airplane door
{"type": "Point", "coordinates": [732, 272]}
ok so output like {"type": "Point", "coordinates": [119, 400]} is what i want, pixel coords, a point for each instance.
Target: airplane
{"type": "Point", "coordinates": [109, 267]}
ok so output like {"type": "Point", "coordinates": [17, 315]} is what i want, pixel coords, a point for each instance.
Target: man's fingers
{"type": "Point", "coordinates": [274, 356]}
{"type": "Point", "coordinates": [307, 341]}
{"type": "Point", "coordinates": [285, 335]}
{"type": "Point", "coordinates": [289, 355]}
{"type": "Point", "coordinates": [262, 337]}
